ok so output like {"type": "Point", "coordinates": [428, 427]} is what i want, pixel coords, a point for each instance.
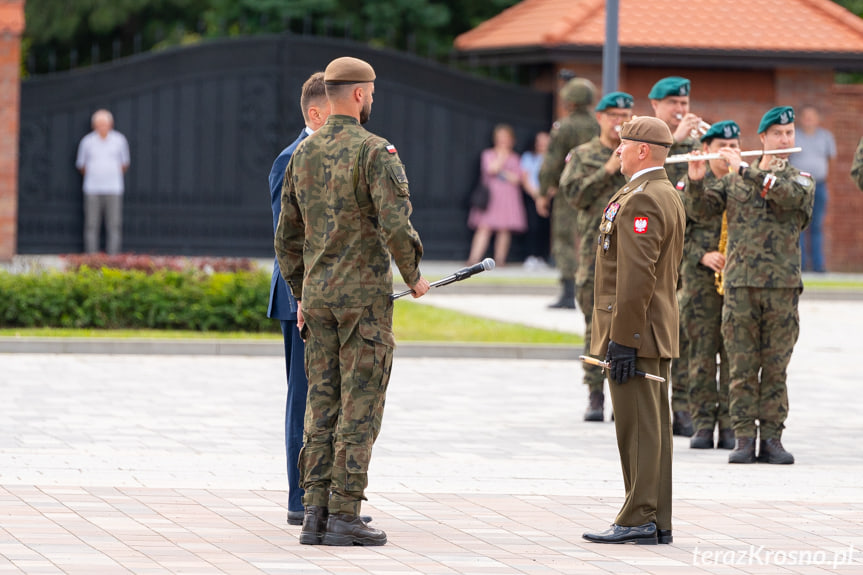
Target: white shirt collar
{"type": "Point", "coordinates": [309, 131]}
{"type": "Point", "coordinates": [644, 171]}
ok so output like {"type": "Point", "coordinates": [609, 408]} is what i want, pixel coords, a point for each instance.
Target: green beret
{"type": "Point", "coordinates": [725, 130]}
{"type": "Point", "coordinates": [779, 115]}
{"type": "Point", "coordinates": [614, 100]}
{"type": "Point", "coordinates": [647, 129]}
{"type": "Point", "coordinates": [671, 86]}
{"type": "Point", "coordinates": [347, 70]}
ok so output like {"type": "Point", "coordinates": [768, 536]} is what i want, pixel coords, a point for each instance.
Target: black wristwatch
{"type": "Point", "coordinates": [741, 170]}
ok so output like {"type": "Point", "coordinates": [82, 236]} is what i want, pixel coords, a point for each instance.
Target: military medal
{"type": "Point", "coordinates": [611, 211]}
{"type": "Point", "coordinates": [605, 244]}
{"type": "Point", "coordinates": [605, 227]}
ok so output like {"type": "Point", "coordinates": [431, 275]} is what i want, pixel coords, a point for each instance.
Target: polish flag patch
{"type": "Point", "coordinates": [640, 226]}
{"type": "Point", "coordinates": [391, 149]}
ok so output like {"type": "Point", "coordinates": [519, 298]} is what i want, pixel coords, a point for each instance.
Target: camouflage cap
{"type": "Point", "coordinates": [670, 86]}
{"type": "Point", "coordinates": [615, 100]}
{"type": "Point", "coordinates": [347, 70]}
{"type": "Point", "coordinates": [647, 129]}
{"type": "Point", "coordinates": [725, 130]}
{"type": "Point", "coordinates": [779, 115]}
{"type": "Point", "coordinates": [579, 91]}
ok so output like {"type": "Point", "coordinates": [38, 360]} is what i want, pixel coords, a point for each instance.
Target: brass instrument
{"type": "Point", "coordinates": [719, 277]}
{"type": "Point", "coordinates": [700, 130]}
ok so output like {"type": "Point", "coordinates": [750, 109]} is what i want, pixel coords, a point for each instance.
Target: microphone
{"type": "Point", "coordinates": [464, 273]}
{"type": "Point", "coordinates": [483, 266]}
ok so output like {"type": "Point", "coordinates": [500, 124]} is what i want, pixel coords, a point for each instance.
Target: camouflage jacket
{"type": "Point", "coordinates": [577, 128]}
{"type": "Point", "coordinates": [345, 207]}
{"type": "Point", "coordinates": [857, 166]}
{"type": "Point", "coordinates": [588, 187]}
{"type": "Point", "coordinates": [701, 236]}
{"type": "Point", "coordinates": [764, 223]}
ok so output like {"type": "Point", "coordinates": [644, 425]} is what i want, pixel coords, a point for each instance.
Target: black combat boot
{"type": "Point", "coordinates": [596, 407]}
{"type": "Point", "coordinates": [726, 439]}
{"type": "Point", "coordinates": [703, 439]}
{"type": "Point", "coordinates": [682, 424]}
{"type": "Point", "coordinates": [344, 529]}
{"type": "Point", "coordinates": [314, 523]}
{"type": "Point", "coordinates": [744, 451]}
{"type": "Point", "coordinates": [567, 296]}
{"type": "Point", "coordinates": [771, 451]}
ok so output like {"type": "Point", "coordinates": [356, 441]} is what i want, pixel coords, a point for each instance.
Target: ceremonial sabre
{"type": "Point", "coordinates": [464, 273]}
{"type": "Point", "coordinates": [605, 365]}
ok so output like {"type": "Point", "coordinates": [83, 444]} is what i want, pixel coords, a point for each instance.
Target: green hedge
{"type": "Point", "coordinates": [124, 299]}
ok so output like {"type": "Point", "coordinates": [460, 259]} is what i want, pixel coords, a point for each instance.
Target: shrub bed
{"type": "Point", "coordinates": [132, 299]}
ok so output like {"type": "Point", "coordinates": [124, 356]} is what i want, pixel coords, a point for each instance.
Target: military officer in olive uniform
{"type": "Point", "coordinates": [767, 205]}
{"type": "Point", "coordinates": [857, 166]}
{"type": "Point", "coordinates": [701, 302]}
{"type": "Point", "coordinates": [591, 176]}
{"type": "Point", "coordinates": [669, 99]}
{"type": "Point", "coordinates": [635, 326]}
{"type": "Point", "coordinates": [345, 209]}
{"type": "Point", "coordinates": [577, 128]}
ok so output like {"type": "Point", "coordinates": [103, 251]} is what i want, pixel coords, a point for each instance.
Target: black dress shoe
{"type": "Point", "coordinates": [314, 524]}
{"type": "Point", "coordinates": [771, 451]}
{"type": "Point", "coordinates": [703, 439]}
{"type": "Point", "coordinates": [744, 451]}
{"type": "Point", "coordinates": [726, 439]}
{"type": "Point", "coordinates": [344, 529]}
{"type": "Point", "coordinates": [640, 534]}
{"type": "Point", "coordinates": [296, 517]}
{"type": "Point", "coordinates": [682, 424]}
{"type": "Point", "coordinates": [664, 536]}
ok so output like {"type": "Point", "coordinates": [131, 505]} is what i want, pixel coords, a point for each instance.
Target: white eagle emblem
{"type": "Point", "coordinates": [640, 225]}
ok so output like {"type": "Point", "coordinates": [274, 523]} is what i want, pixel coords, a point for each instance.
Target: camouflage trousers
{"type": "Point", "coordinates": [593, 376]}
{"type": "Point", "coordinates": [563, 233]}
{"type": "Point", "coordinates": [348, 360]}
{"type": "Point", "coordinates": [759, 327]}
{"type": "Point", "coordinates": [680, 370]}
{"type": "Point", "coordinates": [701, 316]}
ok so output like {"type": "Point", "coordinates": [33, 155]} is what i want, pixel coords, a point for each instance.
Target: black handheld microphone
{"type": "Point", "coordinates": [464, 273]}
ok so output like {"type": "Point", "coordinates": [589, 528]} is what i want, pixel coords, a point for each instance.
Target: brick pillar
{"type": "Point", "coordinates": [11, 28]}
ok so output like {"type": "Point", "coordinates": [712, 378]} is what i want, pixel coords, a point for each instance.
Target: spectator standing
{"type": "Point", "coordinates": [500, 171]}
{"type": "Point", "coordinates": [103, 158]}
{"type": "Point", "coordinates": [538, 228]}
{"type": "Point", "coordinates": [819, 149]}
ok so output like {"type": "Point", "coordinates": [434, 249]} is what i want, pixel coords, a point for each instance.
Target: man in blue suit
{"type": "Point", "coordinates": [283, 306]}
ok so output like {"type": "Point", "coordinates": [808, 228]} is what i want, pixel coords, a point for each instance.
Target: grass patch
{"type": "Point", "coordinates": [839, 285]}
{"type": "Point", "coordinates": [412, 322]}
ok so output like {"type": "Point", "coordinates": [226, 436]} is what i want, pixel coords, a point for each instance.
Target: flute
{"type": "Point", "coordinates": [695, 158]}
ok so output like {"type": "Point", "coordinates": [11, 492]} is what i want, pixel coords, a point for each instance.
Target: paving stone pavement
{"type": "Point", "coordinates": [175, 464]}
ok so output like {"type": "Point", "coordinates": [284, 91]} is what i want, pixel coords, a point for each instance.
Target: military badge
{"type": "Point", "coordinates": [640, 225]}
{"type": "Point", "coordinates": [605, 226]}
{"type": "Point", "coordinates": [802, 179]}
{"type": "Point", "coordinates": [611, 211]}
{"type": "Point", "coordinates": [391, 149]}
{"type": "Point", "coordinates": [680, 185]}
{"type": "Point", "coordinates": [568, 158]}
{"type": "Point", "coordinates": [605, 244]}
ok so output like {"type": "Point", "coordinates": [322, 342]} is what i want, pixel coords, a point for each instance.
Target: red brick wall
{"type": "Point", "coordinates": [744, 96]}
{"type": "Point", "coordinates": [11, 26]}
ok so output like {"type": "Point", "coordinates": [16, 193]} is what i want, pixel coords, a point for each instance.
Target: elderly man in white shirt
{"type": "Point", "coordinates": [103, 158]}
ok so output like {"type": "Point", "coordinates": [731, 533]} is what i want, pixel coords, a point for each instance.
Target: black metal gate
{"type": "Point", "coordinates": [205, 123]}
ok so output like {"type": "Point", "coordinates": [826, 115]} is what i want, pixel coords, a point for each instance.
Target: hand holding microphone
{"type": "Point", "coordinates": [464, 273]}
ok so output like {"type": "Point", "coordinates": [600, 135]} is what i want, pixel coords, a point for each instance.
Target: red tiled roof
{"type": "Point", "coordinates": [757, 25]}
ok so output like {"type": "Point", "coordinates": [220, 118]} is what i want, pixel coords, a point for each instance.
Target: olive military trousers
{"type": "Point", "coordinates": [348, 360]}
{"type": "Point", "coordinates": [759, 328]}
{"type": "Point", "coordinates": [642, 421]}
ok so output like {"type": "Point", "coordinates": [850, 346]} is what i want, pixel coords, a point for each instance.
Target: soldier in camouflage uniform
{"type": "Point", "coordinates": [575, 129]}
{"type": "Point", "coordinates": [767, 205]}
{"type": "Point", "coordinates": [345, 208]}
{"type": "Point", "coordinates": [669, 99]}
{"type": "Point", "coordinates": [591, 176]}
{"type": "Point", "coordinates": [701, 304]}
{"type": "Point", "coordinates": [857, 166]}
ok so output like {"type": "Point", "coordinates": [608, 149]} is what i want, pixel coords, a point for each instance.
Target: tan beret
{"type": "Point", "coordinates": [647, 129]}
{"type": "Point", "coordinates": [347, 70]}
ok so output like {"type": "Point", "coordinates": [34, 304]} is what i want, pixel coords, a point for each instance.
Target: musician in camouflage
{"type": "Point", "coordinates": [767, 205]}
{"type": "Point", "coordinates": [577, 128]}
{"type": "Point", "coordinates": [591, 176]}
{"type": "Point", "coordinates": [857, 166]}
{"type": "Point", "coordinates": [669, 98]}
{"type": "Point", "coordinates": [345, 208]}
{"type": "Point", "coordinates": [701, 304]}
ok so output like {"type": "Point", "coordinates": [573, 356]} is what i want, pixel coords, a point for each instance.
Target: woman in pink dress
{"type": "Point", "coordinates": [500, 170]}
